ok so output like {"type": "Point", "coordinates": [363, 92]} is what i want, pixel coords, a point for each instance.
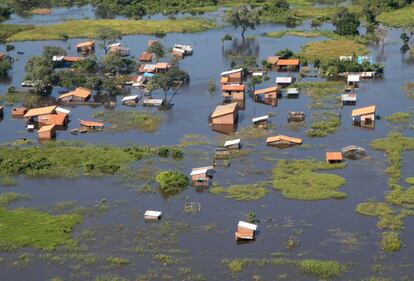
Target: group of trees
{"type": "Point", "coordinates": [333, 67]}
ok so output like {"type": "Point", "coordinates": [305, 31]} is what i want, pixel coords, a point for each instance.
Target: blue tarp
{"type": "Point", "coordinates": [148, 75]}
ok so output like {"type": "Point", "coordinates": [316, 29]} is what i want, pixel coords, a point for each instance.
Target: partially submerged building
{"type": "Point", "coordinates": [296, 116]}
{"type": "Point", "coordinates": [292, 93]}
{"type": "Point", "coordinates": [225, 114]}
{"type": "Point", "coordinates": [60, 120]}
{"type": "Point", "coordinates": [333, 157]}
{"type": "Point", "coordinates": [349, 99]}
{"type": "Point", "coordinates": [91, 125]}
{"type": "Point", "coordinates": [261, 121]}
{"type": "Point", "coordinates": [267, 95]}
{"type": "Point", "coordinates": [284, 81]}
{"type": "Point", "coordinates": [353, 152]}
{"type": "Point", "coordinates": [47, 132]}
{"type": "Point", "coordinates": [234, 93]}
{"type": "Point", "coordinates": [364, 116]}
{"type": "Point", "coordinates": [201, 175]}
{"type": "Point", "coordinates": [288, 65]}
{"type": "Point", "coordinates": [150, 215]}
{"type": "Point", "coordinates": [130, 100]}
{"type": "Point", "coordinates": [18, 112]}
{"type": "Point", "coordinates": [79, 95]}
{"type": "Point", "coordinates": [234, 76]}
{"type": "Point", "coordinates": [152, 102]}
{"type": "Point", "coordinates": [353, 80]}
{"type": "Point", "coordinates": [87, 46]}
{"type": "Point", "coordinates": [119, 50]}
{"type": "Point", "coordinates": [32, 116]}
{"type": "Point", "coordinates": [282, 141]}
{"type": "Point", "coordinates": [232, 144]}
{"type": "Point", "coordinates": [245, 231]}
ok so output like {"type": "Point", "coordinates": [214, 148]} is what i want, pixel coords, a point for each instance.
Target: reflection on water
{"type": "Point", "coordinates": [238, 49]}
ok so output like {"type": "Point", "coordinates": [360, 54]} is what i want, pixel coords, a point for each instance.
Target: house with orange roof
{"type": "Point", "coordinates": [267, 95]}
{"type": "Point", "coordinates": [80, 94]}
{"type": "Point", "coordinates": [282, 141]}
{"type": "Point", "coordinates": [225, 114]}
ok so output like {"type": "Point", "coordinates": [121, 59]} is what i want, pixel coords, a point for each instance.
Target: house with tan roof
{"type": "Point", "coordinates": [80, 94]}
{"type": "Point", "coordinates": [282, 141]}
{"type": "Point", "coordinates": [267, 95]}
{"type": "Point", "coordinates": [87, 46]}
{"type": "Point", "coordinates": [225, 114]}
{"type": "Point", "coordinates": [364, 116]}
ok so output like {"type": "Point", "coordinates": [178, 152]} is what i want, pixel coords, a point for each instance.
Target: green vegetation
{"type": "Point", "coordinates": [7, 181]}
{"type": "Point", "coordinates": [117, 261]}
{"type": "Point", "coordinates": [89, 28]}
{"type": "Point", "coordinates": [388, 219]}
{"type": "Point", "coordinates": [409, 90]}
{"type": "Point", "coordinates": [30, 228]}
{"type": "Point", "coordinates": [399, 117]}
{"type": "Point", "coordinates": [244, 17]}
{"type": "Point", "coordinates": [9, 197]}
{"type": "Point", "coordinates": [346, 23]}
{"type": "Point", "coordinates": [296, 179]}
{"type": "Point", "coordinates": [322, 269]}
{"type": "Point", "coordinates": [323, 95]}
{"type": "Point", "coordinates": [67, 159]}
{"type": "Point", "coordinates": [172, 182]}
{"type": "Point", "coordinates": [126, 120]}
{"type": "Point", "coordinates": [304, 33]}
{"type": "Point", "coordinates": [390, 242]}
{"type": "Point", "coordinates": [7, 30]}
{"type": "Point", "coordinates": [331, 50]}
{"type": "Point", "coordinates": [398, 18]}
{"type": "Point", "coordinates": [323, 123]}
{"type": "Point", "coordinates": [243, 192]}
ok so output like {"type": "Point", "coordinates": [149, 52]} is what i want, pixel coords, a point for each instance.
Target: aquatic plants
{"type": "Point", "coordinates": [390, 241]}
{"type": "Point", "coordinates": [122, 120]}
{"type": "Point", "coordinates": [399, 117]}
{"type": "Point", "coordinates": [321, 269]}
{"type": "Point", "coordinates": [323, 123]}
{"type": "Point", "coordinates": [31, 228]}
{"type": "Point", "coordinates": [388, 218]}
{"type": "Point", "coordinates": [398, 18]}
{"type": "Point", "coordinates": [409, 90]}
{"type": "Point", "coordinates": [171, 182]}
{"type": "Point", "coordinates": [245, 192]}
{"type": "Point", "coordinates": [297, 179]}
{"type": "Point", "coordinates": [9, 197]}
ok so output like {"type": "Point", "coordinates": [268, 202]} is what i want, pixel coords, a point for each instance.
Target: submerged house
{"type": "Point", "coordinates": [234, 93]}
{"type": "Point", "coordinates": [292, 93]}
{"type": "Point", "coordinates": [245, 231]}
{"type": "Point", "coordinates": [130, 100]}
{"type": "Point", "coordinates": [349, 98]}
{"type": "Point", "coordinates": [119, 50]}
{"type": "Point", "coordinates": [18, 112]}
{"type": "Point", "coordinates": [152, 215]}
{"type": "Point", "coordinates": [47, 132]}
{"type": "Point", "coordinates": [60, 120]}
{"type": "Point", "coordinates": [147, 68]}
{"type": "Point", "coordinates": [267, 95]}
{"type": "Point", "coordinates": [284, 81]}
{"type": "Point", "coordinates": [364, 116]}
{"type": "Point", "coordinates": [152, 102]}
{"type": "Point", "coordinates": [145, 57]}
{"type": "Point", "coordinates": [32, 116]}
{"type": "Point", "coordinates": [333, 157]}
{"type": "Point", "coordinates": [234, 76]}
{"type": "Point", "coordinates": [80, 95]}
{"type": "Point", "coordinates": [91, 125]}
{"type": "Point", "coordinates": [182, 50]}
{"type": "Point", "coordinates": [225, 114]}
{"type": "Point", "coordinates": [202, 175]}
{"type": "Point", "coordinates": [261, 121]}
{"type": "Point", "coordinates": [282, 141]}
{"type": "Point", "coordinates": [86, 46]}
{"type": "Point", "coordinates": [353, 80]}
{"type": "Point", "coordinates": [232, 144]}
{"type": "Point", "coordinates": [288, 65]}
{"type": "Point", "coordinates": [353, 152]}
{"type": "Point", "coordinates": [296, 116]}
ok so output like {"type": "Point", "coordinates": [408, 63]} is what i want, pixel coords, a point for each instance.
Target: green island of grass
{"type": "Point", "coordinates": [244, 192]}
{"type": "Point", "coordinates": [409, 89]}
{"type": "Point", "coordinates": [399, 117]}
{"type": "Point", "coordinates": [398, 18]}
{"type": "Point", "coordinates": [89, 28]}
{"type": "Point", "coordinates": [390, 241]}
{"type": "Point", "coordinates": [297, 179]}
{"type": "Point", "coordinates": [31, 228]}
{"type": "Point", "coordinates": [130, 120]}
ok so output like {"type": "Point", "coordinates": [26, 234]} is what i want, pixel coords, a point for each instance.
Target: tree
{"type": "Point", "coordinates": [108, 36]}
{"type": "Point", "coordinates": [40, 71]}
{"type": "Point", "coordinates": [166, 81]}
{"type": "Point", "coordinates": [89, 64]}
{"type": "Point", "coordinates": [157, 49]}
{"type": "Point", "coordinates": [114, 64]}
{"type": "Point", "coordinates": [346, 23]}
{"type": "Point", "coordinates": [285, 54]}
{"type": "Point", "coordinates": [405, 38]}
{"type": "Point", "coordinates": [50, 51]}
{"type": "Point", "coordinates": [5, 66]}
{"type": "Point", "coordinates": [172, 182]}
{"type": "Point", "coordinates": [243, 16]}
{"type": "Point", "coordinates": [280, 5]}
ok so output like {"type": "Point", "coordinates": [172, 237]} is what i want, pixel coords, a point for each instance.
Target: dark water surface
{"type": "Point", "coordinates": [319, 225]}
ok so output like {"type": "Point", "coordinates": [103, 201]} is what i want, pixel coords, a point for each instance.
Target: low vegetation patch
{"type": "Point", "coordinates": [130, 120]}
{"type": "Point", "coordinates": [399, 117]}
{"type": "Point", "coordinates": [89, 28]}
{"type": "Point", "coordinates": [303, 33]}
{"type": "Point", "coordinates": [8, 30]}
{"type": "Point", "coordinates": [172, 182]}
{"type": "Point", "coordinates": [322, 269]}
{"type": "Point", "coordinates": [323, 95]}
{"type": "Point", "coordinates": [390, 242]}
{"type": "Point", "coordinates": [243, 192]}
{"type": "Point", "coordinates": [388, 218]}
{"type": "Point", "coordinates": [31, 228]}
{"type": "Point", "coordinates": [398, 18]}
{"type": "Point", "coordinates": [409, 90]}
{"type": "Point", "coordinates": [9, 197]}
{"type": "Point", "coordinates": [297, 179]}
{"type": "Point", "coordinates": [323, 123]}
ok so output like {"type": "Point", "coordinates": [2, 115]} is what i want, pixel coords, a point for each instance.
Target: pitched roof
{"type": "Point", "coordinates": [233, 87]}
{"type": "Point", "coordinates": [53, 119]}
{"type": "Point", "coordinates": [231, 71]}
{"type": "Point", "coordinates": [145, 56]}
{"type": "Point", "coordinates": [46, 128]}
{"type": "Point", "coordinates": [247, 225]}
{"type": "Point", "coordinates": [283, 62]}
{"type": "Point", "coordinates": [2, 55]}
{"type": "Point", "coordinates": [281, 80]}
{"type": "Point", "coordinates": [272, 59]}
{"type": "Point", "coordinates": [283, 138]}
{"type": "Point", "coordinates": [40, 111]}
{"type": "Point", "coordinates": [201, 170]}
{"type": "Point", "coordinates": [91, 123]}
{"type": "Point", "coordinates": [266, 90]}
{"type": "Point", "coordinates": [72, 59]}
{"type": "Point", "coordinates": [334, 156]}
{"type": "Point", "coordinates": [364, 111]}
{"type": "Point", "coordinates": [353, 78]}
{"type": "Point", "coordinates": [162, 65]}
{"type": "Point", "coordinates": [224, 109]}
{"type": "Point", "coordinates": [231, 142]}
{"type": "Point", "coordinates": [85, 44]}
{"type": "Point", "coordinates": [78, 92]}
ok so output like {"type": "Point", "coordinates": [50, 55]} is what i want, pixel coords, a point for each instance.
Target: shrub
{"type": "Point", "coordinates": [172, 182]}
{"type": "Point", "coordinates": [176, 153]}
{"type": "Point", "coordinates": [163, 151]}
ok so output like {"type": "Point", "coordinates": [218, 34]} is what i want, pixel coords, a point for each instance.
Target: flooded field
{"type": "Point", "coordinates": [112, 241]}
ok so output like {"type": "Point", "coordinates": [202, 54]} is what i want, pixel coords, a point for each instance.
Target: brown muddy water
{"type": "Point", "coordinates": [201, 241]}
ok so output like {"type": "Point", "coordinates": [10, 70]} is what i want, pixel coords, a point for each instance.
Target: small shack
{"type": "Point", "coordinates": [47, 132]}
{"type": "Point", "coordinates": [161, 67]}
{"type": "Point", "coordinates": [349, 98]}
{"type": "Point", "coordinates": [353, 80]}
{"type": "Point", "coordinates": [18, 112]}
{"type": "Point", "coordinates": [245, 231]}
{"type": "Point", "coordinates": [86, 46]}
{"type": "Point", "coordinates": [292, 93]}
{"type": "Point", "coordinates": [79, 95]}
{"type": "Point", "coordinates": [296, 116]}
{"type": "Point", "coordinates": [364, 116]}
{"type": "Point", "coordinates": [147, 68]}
{"type": "Point", "coordinates": [186, 50]}
{"type": "Point", "coordinates": [284, 81]}
{"type": "Point", "coordinates": [152, 102]}
{"type": "Point", "coordinates": [225, 114]}
{"type": "Point", "coordinates": [119, 50]}
{"type": "Point", "coordinates": [234, 76]}
{"type": "Point", "coordinates": [234, 93]}
{"type": "Point", "coordinates": [282, 141]}
{"type": "Point", "coordinates": [145, 57]}
{"type": "Point", "coordinates": [333, 157]}
{"type": "Point", "coordinates": [272, 60]}
{"type": "Point", "coordinates": [151, 42]}
{"type": "Point", "coordinates": [60, 120]}
{"type": "Point", "coordinates": [288, 65]}
{"type": "Point", "coordinates": [152, 215]}
{"type": "Point", "coordinates": [202, 175]}
{"type": "Point", "coordinates": [91, 125]}
{"type": "Point", "coordinates": [130, 100]}
{"type": "Point", "coordinates": [261, 121]}
{"type": "Point", "coordinates": [267, 95]}
{"type": "Point", "coordinates": [232, 144]}
{"type": "Point", "coordinates": [353, 152]}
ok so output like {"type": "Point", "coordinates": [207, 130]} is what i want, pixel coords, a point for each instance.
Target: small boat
{"type": "Point", "coordinates": [20, 53]}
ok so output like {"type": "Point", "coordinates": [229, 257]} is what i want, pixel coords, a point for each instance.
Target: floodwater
{"type": "Point", "coordinates": [319, 225]}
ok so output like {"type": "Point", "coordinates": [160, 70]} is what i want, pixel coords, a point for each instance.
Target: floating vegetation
{"type": "Point", "coordinates": [390, 241]}
{"type": "Point", "coordinates": [30, 228]}
{"type": "Point", "coordinates": [409, 89]}
{"type": "Point", "coordinates": [321, 269]}
{"type": "Point", "coordinates": [303, 33]}
{"type": "Point", "coordinates": [399, 117]}
{"type": "Point", "coordinates": [116, 261]}
{"type": "Point", "coordinates": [323, 95]}
{"type": "Point", "coordinates": [388, 219]}
{"type": "Point", "coordinates": [297, 179]}
{"type": "Point", "coordinates": [7, 181]}
{"type": "Point", "coordinates": [193, 140]}
{"type": "Point", "coordinates": [244, 192]}
{"type": "Point", "coordinates": [9, 197]}
{"type": "Point", "coordinates": [323, 123]}
{"type": "Point", "coordinates": [130, 120]}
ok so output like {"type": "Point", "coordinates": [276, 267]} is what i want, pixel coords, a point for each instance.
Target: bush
{"type": "Point", "coordinates": [176, 153]}
{"type": "Point", "coordinates": [172, 182]}
{"type": "Point", "coordinates": [163, 151]}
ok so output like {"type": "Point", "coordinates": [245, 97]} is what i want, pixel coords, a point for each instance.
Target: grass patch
{"type": "Point", "coordinates": [245, 192]}
{"type": "Point", "coordinates": [304, 33]}
{"type": "Point", "coordinates": [399, 117]}
{"type": "Point", "coordinates": [315, 12]}
{"type": "Point", "coordinates": [331, 49]}
{"type": "Point", "coordinates": [193, 140]}
{"type": "Point", "coordinates": [8, 30]}
{"type": "Point", "coordinates": [31, 228]}
{"type": "Point", "coordinates": [116, 261]}
{"type": "Point", "coordinates": [388, 219]}
{"type": "Point", "coordinates": [323, 123]}
{"type": "Point", "coordinates": [398, 18]}
{"type": "Point", "coordinates": [390, 242]}
{"type": "Point", "coordinates": [7, 181]}
{"type": "Point", "coordinates": [9, 197]}
{"type": "Point", "coordinates": [323, 95]}
{"type": "Point", "coordinates": [409, 89]}
{"type": "Point", "coordinates": [130, 120]}
{"type": "Point", "coordinates": [321, 269]}
{"type": "Point", "coordinates": [297, 179]}
{"type": "Point", "coordinates": [89, 28]}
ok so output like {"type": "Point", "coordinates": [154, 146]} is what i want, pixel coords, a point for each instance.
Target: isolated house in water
{"type": "Point", "coordinates": [284, 81]}
{"type": "Point", "coordinates": [78, 95]}
{"type": "Point", "coordinates": [353, 80]}
{"type": "Point", "coordinates": [201, 176]}
{"type": "Point", "coordinates": [91, 125]}
{"type": "Point", "coordinates": [296, 116]}
{"type": "Point", "coordinates": [353, 152]}
{"type": "Point", "coordinates": [234, 76]}
{"type": "Point", "coordinates": [152, 215]}
{"type": "Point", "coordinates": [288, 65]}
{"type": "Point", "coordinates": [267, 95]}
{"type": "Point", "coordinates": [292, 93]}
{"type": "Point", "coordinates": [234, 93]}
{"type": "Point", "coordinates": [225, 114]}
{"type": "Point", "coordinates": [232, 144]}
{"type": "Point", "coordinates": [364, 116]}
{"type": "Point", "coordinates": [261, 121]}
{"type": "Point", "coordinates": [333, 157]}
{"type": "Point", "coordinates": [47, 132]}
{"type": "Point", "coordinates": [18, 112]}
{"type": "Point", "coordinates": [282, 141]}
{"type": "Point", "coordinates": [349, 98]}
{"type": "Point", "coordinates": [86, 46]}
{"type": "Point", "coordinates": [130, 100]}
{"type": "Point", "coordinates": [245, 231]}
{"type": "Point", "coordinates": [145, 57]}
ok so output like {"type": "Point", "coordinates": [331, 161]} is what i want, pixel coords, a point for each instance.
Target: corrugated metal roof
{"type": "Point", "coordinates": [150, 213]}
{"type": "Point", "coordinates": [231, 142]}
{"type": "Point", "coordinates": [260, 118]}
{"type": "Point", "coordinates": [283, 138]}
{"type": "Point", "coordinates": [353, 78]}
{"type": "Point", "coordinates": [127, 98]}
{"type": "Point", "coordinates": [334, 156]}
{"type": "Point", "coordinates": [231, 71]}
{"type": "Point", "coordinates": [224, 109]}
{"type": "Point", "coordinates": [247, 225]}
{"type": "Point", "coordinates": [201, 170]}
{"type": "Point", "coordinates": [62, 110]}
{"type": "Point", "coordinates": [266, 90]}
{"type": "Point", "coordinates": [364, 111]}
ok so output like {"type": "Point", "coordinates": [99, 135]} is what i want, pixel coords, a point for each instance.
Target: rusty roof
{"type": "Point", "coordinates": [72, 59]}
{"type": "Point", "coordinates": [266, 90]}
{"type": "Point", "coordinates": [364, 111]}
{"type": "Point", "coordinates": [272, 59]}
{"type": "Point", "coordinates": [40, 111]}
{"type": "Point", "coordinates": [283, 62]}
{"type": "Point", "coordinates": [145, 56]}
{"type": "Point", "coordinates": [85, 44]}
{"type": "Point", "coordinates": [334, 156]}
{"type": "Point", "coordinates": [224, 110]}
{"type": "Point", "coordinates": [283, 138]}
{"type": "Point", "coordinates": [46, 128]}
{"type": "Point", "coordinates": [78, 92]}
{"type": "Point", "coordinates": [233, 87]}
{"type": "Point", "coordinates": [162, 65]}
{"type": "Point", "coordinates": [91, 123]}
{"type": "Point", "coordinates": [53, 119]}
